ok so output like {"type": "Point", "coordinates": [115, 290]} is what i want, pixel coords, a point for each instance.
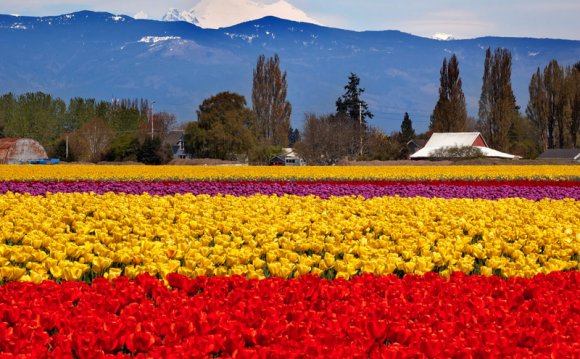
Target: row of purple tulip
{"type": "Point", "coordinates": [491, 190]}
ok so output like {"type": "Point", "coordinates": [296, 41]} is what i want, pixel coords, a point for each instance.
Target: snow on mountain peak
{"type": "Point", "coordinates": [180, 15]}
{"type": "Point", "coordinates": [442, 36]}
{"type": "Point", "coordinates": [156, 39]}
{"type": "Point", "coordinates": [214, 14]}
{"type": "Point", "coordinates": [141, 15]}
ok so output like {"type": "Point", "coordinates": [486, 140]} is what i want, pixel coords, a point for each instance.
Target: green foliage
{"type": "Point", "coordinates": [351, 103]}
{"type": "Point", "coordinates": [523, 138]}
{"type": "Point", "coordinates": [153, 152]}
{"type": "Point", "coordinates": [47, 120]}
{"type": "Point", "coordinates": [381, 147]}
{"type": "Point", "coordinates": [457, 152]}
{"type": "Point", "coordinates": [123, 148]}
{"type": "Point", "coordinates": [407, 131]}
{"type": "Point", "coordinates": [126, 115]}
{"type": "Point", "coordinates": [33, 115]}
{"type": "Point", "coordinates": [262, 154]}
{"type": "Point", "coordinates": [450, 113]}
{"type": "Point", "coordinates": [59, 151]}
{"type": "Point", "coordinates": [223, 129]}
{"type": "Point", "coordinates": [293, 136]}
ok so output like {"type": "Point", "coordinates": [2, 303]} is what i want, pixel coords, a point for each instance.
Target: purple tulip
{"type": "Point", "coordinates": [321, 189]}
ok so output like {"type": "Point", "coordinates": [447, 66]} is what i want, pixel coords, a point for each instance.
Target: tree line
{"type": "Point", "coordinates": [551, 120]}
{"type": "Point", "coordinates": [86, 129]}
{"type": "Point", "coordinates": [229, 128]}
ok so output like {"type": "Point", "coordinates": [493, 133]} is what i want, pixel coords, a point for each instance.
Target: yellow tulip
{"type": "Point", "coordinates": [10, 273]}
{"type": "Point", "coordinates": [56, 271]}
{"type": "Point", "coordinates": [100, 264]}
{"type": "Point", "coordinates": [37, 277]}
{"type": "Point", "coordinates": [72, 272]}
{"type": "Point", "coordinates": [113, 273]}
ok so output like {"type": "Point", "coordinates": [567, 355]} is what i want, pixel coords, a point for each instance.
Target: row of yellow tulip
{"type": "Point", "coordinates": [80, 236]}
{"type": "Point", "coordinates": [133, 172]}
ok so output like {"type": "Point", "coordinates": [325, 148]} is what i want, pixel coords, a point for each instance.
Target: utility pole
{"type": "Point", "coordinates": [151, 119]}
{"type": "Point", "coordinates": [361, 129]}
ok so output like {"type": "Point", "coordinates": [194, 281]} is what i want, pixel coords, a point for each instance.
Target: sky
{"type": "Point", "coordinates": [460, 18]}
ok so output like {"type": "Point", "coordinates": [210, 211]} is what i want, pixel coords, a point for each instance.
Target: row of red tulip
{"type": "Point", "coordinates": [368, 316]}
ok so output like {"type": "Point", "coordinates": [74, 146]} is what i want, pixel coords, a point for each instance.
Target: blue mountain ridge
{"type": "Point", "coordinates": [178, 65]}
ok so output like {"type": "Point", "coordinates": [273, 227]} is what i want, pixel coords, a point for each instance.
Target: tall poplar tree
{"type": "Point", "coordinates": [537, 110]}
{"type": "Point", "coordinates": [554, 85]}
{"type": "Point", "coordinates": [269, 102]}
{"type": "Point", "coordinates": [497, 104]}
{"type": "Point", "coordinates": [450, 113]}
{"type": "Point", "coordinates": [407, 131]}
{"type": "Point", "coordinates": [554, 105]}
{"type": "Point", "coordinates": [575, 98]}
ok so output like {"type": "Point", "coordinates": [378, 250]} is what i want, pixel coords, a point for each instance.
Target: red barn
{"type": "Point", "coordinates": [20, 150]}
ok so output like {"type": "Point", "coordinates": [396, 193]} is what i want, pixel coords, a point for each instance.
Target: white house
{"type": "Point", "coordinates": [287, 158]}
{"type": "Point", "coordinates": [439, 141]}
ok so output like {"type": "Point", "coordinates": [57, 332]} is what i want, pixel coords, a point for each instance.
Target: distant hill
{"type": "Point", "coordinates": [178, 64]}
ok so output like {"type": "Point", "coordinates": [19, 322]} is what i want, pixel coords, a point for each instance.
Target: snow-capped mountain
{"type": "Point", "coordinates": [442, 36]}
{"type": "Point", "coordinates": [180, 15]}
{"type": "Point", "coordinates": [214, 14]}
{"type": "Point", "coordinates": [178, 65]}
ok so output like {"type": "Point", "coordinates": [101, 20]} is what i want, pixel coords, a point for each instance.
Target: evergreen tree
{"type": "Point", "coordinates": [450, 113]}
{"type": "Point", "coordinates": [7, 107]}
{"type": "Point", "coordinates": [497, 104]}
{"type": "Point", "coordinates": [293, 136]}
{"type": "Point", "coordinates": [351, 103]}
{"type": "Point", "coordinates": [152, 152]}
{"type": "Point", "coordinates": [352, 106]}
{"type": "Point", "coordinates": [407, 131]}
{"type": "Point", "coordinates": [269, 102]}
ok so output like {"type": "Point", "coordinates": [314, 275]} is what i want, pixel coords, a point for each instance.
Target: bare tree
{"type": "Point", "coordinates": [269, 102]}
{"type": "Point", "coordinates": [537, 109]}
{"type": "Point", "coordinates": [328, 139]}
{"type": "Point", "coordinates": [158, 126]}
{"type": "Point", "coordinates": [554, 105]}
{"type": "Point", "coordinates": [92, 140]}
{"type": "Point", "coordinates": [497, 104]}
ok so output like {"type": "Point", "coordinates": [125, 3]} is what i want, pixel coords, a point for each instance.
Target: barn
{"type": "Point", "coordinates": [20, 150]}
{"type": "Point", "coordinates": [440, 141]}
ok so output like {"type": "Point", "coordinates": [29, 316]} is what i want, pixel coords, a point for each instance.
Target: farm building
{"type": "Point", "coordinates": [415, 145]}
{"type": "Point", "coordinates": [20, 150]}
{"type": "Point", "coordinates": [287, 158]}
{"type": "Point", "coordinates": [562, 154]}
{"type": "Point", "coordinates": [441, 141]}
{"type": "Point", "coordinates": [176, 139]}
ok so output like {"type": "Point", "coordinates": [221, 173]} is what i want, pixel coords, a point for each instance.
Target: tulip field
{"type": "Point", "coordinates": [303, 262]}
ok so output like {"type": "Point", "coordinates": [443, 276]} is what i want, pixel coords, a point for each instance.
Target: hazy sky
{"type": "Point", "coordinates": [460, 18]}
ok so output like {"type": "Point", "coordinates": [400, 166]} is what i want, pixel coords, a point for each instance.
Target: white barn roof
{"type": "Point", "coordinates": [453, 139]}
{"type": "Point", "coordinates": [458, 139]}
